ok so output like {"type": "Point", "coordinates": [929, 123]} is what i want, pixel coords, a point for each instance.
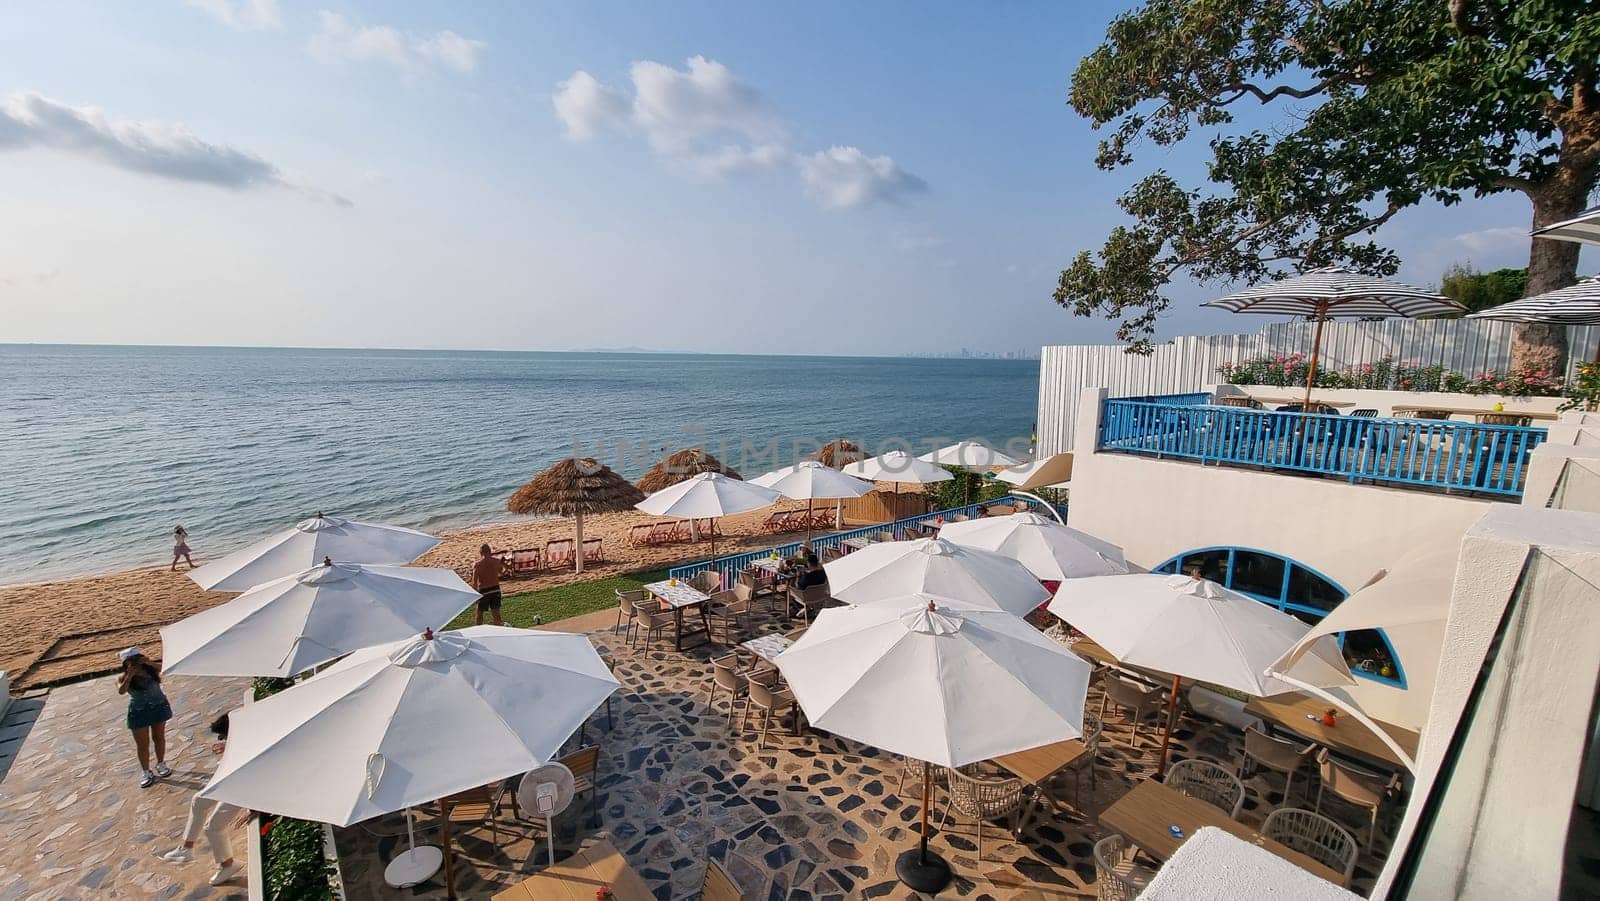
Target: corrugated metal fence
{"type": "Point", "coordinates": [1189, 363]}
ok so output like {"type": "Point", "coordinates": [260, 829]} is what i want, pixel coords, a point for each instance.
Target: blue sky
{"type": "Point", "coordinates": [821, 177]}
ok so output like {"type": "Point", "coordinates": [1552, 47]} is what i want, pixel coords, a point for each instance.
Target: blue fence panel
{"type": "Point", "coordinates": [729, 567]}
{"type": "Point", "coordinates": [1425, 452]}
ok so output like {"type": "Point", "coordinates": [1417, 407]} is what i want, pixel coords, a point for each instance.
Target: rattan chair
{"type": "Point", "coordinates": [1210, 783]}
{"type": "Point", "coordinates": [911, 771]}
{"type": "Point", "coordinates": [1315, 836]}
{"type": "Point", "coordinates": [627, 606]}
{"type": "Point", "coordinates": [725, 674]}
{"type": "Point", "coordinates": [806, 602]}
{"type": "Point", "coordinates": [653, 623]}
{"type": "Point", "coordinates": [1139, 700]}
{"type": "Point", "coordinates": [982, 797]}
{"type": "Point", "coordinates": [1093, 729]}
{"type": "Point", "coordinates": [706, 580]}
{"type": "Point", "coordinates": [1262, 751]}
{"type": "Point", "coordinates": [1365, 790]}
{"type": "Point", "coordinates": [1116, 876]}
{"type": "Point", "coordinates": [765, 696]}
{"type": "Point", "coordinates": [725, 607]}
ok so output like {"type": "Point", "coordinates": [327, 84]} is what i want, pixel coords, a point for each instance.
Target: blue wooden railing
{"type": "Point", "coordinates": [1421, 452]}
{"type": "Point", "coordinates": [729, 567]}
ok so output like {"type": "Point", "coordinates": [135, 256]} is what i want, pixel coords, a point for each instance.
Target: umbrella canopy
{"type": "Point", "coordinates": [1574, 305]}
{"type": "Point", "coordinates": [972, 577]}
{"type": "Point", "coordinates": [973, 455]}
{"type": "Point", "coordinates": [1191, 627]}
{"type": "Point", "coordinates": [950, 685]}
{"type": "Point", "coordinates": [1052, 472]}
{"type": "Point", "coordinates": [1336, 291]}
{"type": "Point", "coordinates": [898, 466]}
{"type": "Point", "coordinates": [292, 624]}
{"type": "Point", "coordinates": [1583, 228]}
{"type": "Point", "coordinates": [1050, 550]}
{"type": "Point", "coordinates": [812, 480]}
{"type": "Point", "coordinates": [681, 465]}
{"type": "Point", "coordinates": [299, 548]}
{"type": "Point", "coordinates": [398, 725]}
{"type": "Point", "coordinates": [838, 453]}
{"type": "Point", "coordinates": [575, 487]}
{"type": "Point", "coordinates": [707, 496]}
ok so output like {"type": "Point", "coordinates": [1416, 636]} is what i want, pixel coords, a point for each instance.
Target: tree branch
{"type": "Point", "coordinates": [1243, 88]}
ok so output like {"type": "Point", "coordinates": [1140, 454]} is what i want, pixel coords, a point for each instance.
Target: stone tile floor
{"type": "Point", "coordinates": [812, 816]}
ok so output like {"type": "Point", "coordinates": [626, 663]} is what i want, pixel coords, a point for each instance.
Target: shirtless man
{"type": "Point", "coordinates": [486, 578]}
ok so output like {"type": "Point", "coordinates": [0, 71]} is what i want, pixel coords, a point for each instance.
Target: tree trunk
{"type": "Point", "coordinates": [1551, 265]}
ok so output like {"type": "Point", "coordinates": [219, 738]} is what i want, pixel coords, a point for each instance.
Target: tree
{"type": "Point", "coordinates": [1380, 105]}
{"type": "Point", "coordinates": [1482, 290]}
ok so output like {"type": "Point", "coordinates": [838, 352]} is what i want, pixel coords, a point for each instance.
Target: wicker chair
{"type": "Point", "coordinates": [627, 606]}
{"type": "Point", "coordinates": [1093, 728]}
{"type": "Point", "coordinates": [807, 601]}
{"type": "Point", "coordinates": [653, 623]}
{"type": "Point", "coordinates": [1315, 836]}
{"type": "Point", "coordinates": [911, 771]}
{"type": "Point", "coordinates": [1364, 790]}
{"type": "Point", "coordinates": [726, 608]}
{"type": "Point", "coordinates": [1116, 876]}
{"type": "Point", "coordinates": [1131, 696]}
{"type": "Point", "coordinates": [725, 674]}
{"type": "Point", "coordinates": [1210, 783]}
{"type": "Point", "coordinates": [706, 580]}
{"type": "Point", "coordinates": [1262, 751]}
{"type": "Point", "coordinates": [772, 701]}
{"type": "Point", "coordinates": [970, 793]}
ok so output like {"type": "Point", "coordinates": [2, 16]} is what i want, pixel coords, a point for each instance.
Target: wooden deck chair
{"type": "Point", "coordinates": [641, 534]}
{"type": "Point", "coordinates": [557, 552]}
{"type": "Point", "coordinates": [594, 551]}
{"type": "Point", "coordinates": [522, 562]}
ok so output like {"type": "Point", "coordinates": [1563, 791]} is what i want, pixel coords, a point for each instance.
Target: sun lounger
{"type": "Point", "coordinates": [642, 534]}
{"type": "Point", "coordinates": [708, 528]}
{"type": "Point", "coordinates": [521, 562]}
{"type": "Point", "coordinates": [594, 550]}
{"type": "Point", "coordinates": [774, 521]}
{"type": "Point", "coordinates": [557, 552]}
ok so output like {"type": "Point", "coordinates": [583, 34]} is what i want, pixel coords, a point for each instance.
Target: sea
{"type": "Point", "coordinates": [104, 449]}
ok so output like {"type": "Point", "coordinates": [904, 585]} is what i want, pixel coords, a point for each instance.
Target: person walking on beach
{"type": "Point", "coordinates": [486, 578]}
{"type": "Point", "coordinates": [214, 818]}
{"type": "Point", "coordinates": [148, 712]}
{"type": "Point", "coordinates": [180, 547]}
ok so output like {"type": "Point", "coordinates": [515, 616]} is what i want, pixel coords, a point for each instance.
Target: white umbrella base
{"type": "Point", "coordinates": [922, 870]}
{"type": "Point", "coordinates": [413, 867]}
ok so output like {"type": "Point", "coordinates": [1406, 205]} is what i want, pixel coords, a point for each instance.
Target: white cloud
{"type": "Point", "coordinates": [915, 241]}
{"type": "Point", "coordinates": [1492, 240]}
{"type": "Point", "coordinates": [844, 177]}
{"type": "Point", "coordinates": [340, 40]}
{"type": "Point", "coordinates": [151, 148]}
{"type": "Point", "coordinates": [243, 15]}
{"type": "Point", "coordinates": [586, 107]}
{"type": "Point", "coordinates": [704, 120]}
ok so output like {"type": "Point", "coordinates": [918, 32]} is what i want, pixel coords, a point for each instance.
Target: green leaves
{"type": "Point", "coordinates": [1382, 104]}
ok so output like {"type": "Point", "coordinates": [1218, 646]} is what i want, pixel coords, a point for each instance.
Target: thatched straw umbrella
{"type": "Point", "coordinates": [574, 487]}
{"type": "Point", "coordinates": [839, 453]}
{"type": "Point", "coordinates": [680, 466]}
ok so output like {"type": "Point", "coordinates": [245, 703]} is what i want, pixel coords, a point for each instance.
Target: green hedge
{"type": "Point", "coordinates": [293, 865]}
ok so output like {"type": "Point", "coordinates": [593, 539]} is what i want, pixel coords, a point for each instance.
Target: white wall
{"type": "Point", "coordinates": [1503, 818]}
{"type": "Point", "coordinates": [1187, 363]}
{"type": "Point", "coordinates": [1155, 509]}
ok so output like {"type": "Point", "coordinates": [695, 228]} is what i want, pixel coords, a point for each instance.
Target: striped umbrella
{"type": "Point", "coordinates": [1576, 305]}
{"type": "Point", "coordinates": [1336, 291]}
{"type": "Point", "coordinates": [1583, 228]}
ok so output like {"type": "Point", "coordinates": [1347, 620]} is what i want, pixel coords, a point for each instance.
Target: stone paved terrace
{"type": "Point", "coordinates": [809, 817]}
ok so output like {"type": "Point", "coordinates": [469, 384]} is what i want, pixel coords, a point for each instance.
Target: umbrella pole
{"type": "Point", "coordinates": [578, 565]}
{"type": "Point", "coordinates": [917, 869]}
{"type": "Point", "coordinates": [1316, 349]}
{"type": "Point", "coordinates": [808, 520]}
{"type": "Point", "coordinates": [1166, 734]}
{"type": "Point", "coordinates": [449, 858]}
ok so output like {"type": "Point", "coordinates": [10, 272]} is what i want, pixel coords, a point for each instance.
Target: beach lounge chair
{"type": "Point", "coordinates": [557, 553]}
{"type": "Point", "coordinates": [642, 534]}
{"type": "Point", "coordinates": [521, 562]}
{"type": "Point", "coordinates": [707, 528]}
{"type": "Point", "coordinates": [594, 551]}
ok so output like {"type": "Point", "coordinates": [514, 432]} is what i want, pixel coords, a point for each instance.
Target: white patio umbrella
{"type": "Point", "coordinates": [393, 726]}
{"type": "Point", "coordinates": [930, 679]}
{"type": "Point", "coordinates": [1194, 628]}
{"type": "Point", "coordinates": [1583, 228]}
{"type": "Point", "coordinates": [707, 496]}
{"type": "Point", "coordinates": [973, 577]}
{"type": "Point", "coordinates": [973, 456]}
{"type": "Point", "coordinates": [810, 480]}
{"type": "Point", "coordinates": [292, 624]}
{"type": "Point", "coordinates": [898, 466]}
{"type": "Point", "coordinates": [1051, 551]}
{"type": "Point", "coordinates": [299, 548]}
{"type": "Point", "coordinates": [1335, 291]}
{"type": "Point", "coordinates": [1054, 471]}
{"type": "Point", "coordinates": [1575, 305]}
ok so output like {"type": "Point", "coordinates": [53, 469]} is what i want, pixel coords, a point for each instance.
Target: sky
{"type": "Point", "coordinates": [827, 177]}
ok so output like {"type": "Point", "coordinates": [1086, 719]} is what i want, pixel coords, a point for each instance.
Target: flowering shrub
{"type": "Point", "coordinates": [1288, 370]}
{"type": "Point", "coordinates": [1583, 392]}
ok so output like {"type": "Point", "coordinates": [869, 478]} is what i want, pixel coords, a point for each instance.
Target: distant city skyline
{"type": "Point", "coordinates": [835, 178]}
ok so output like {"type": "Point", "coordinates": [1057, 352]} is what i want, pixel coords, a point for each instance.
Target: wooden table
{"type": "Point", "coordinates": [1036, 766]}
{"type": "Point", "coordinates": [1146, 815]}
{"type": "Point", "coordinates": [595, 865]}
{"type": "Point", "coordinates": [678, 598]}
{"type": "Point", "coordinates": [1290, 711]}
{"type": "Point", "coordinates": [1474, 411]}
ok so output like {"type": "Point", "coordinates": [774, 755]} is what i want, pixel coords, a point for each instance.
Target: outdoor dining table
{"type": "Point", "coordinates": [1301, 714]}
{"type": "Point", "coordinates": [595, 865]}
{"type": "Point", "coordinates": [1297, 399]}
{"type": "Point", "coordinates": [678, 597]}
{"type": "Point", "coordinates": [857, 543]}
{"type": "Point", "coordinates": [1037, 766]}
{"type": "Point", "coordinates": [1474, 411]}
{"type": "Point", "coordinates": [1147, 814]}
{"type": "Point", "coordinates": [768, 647]}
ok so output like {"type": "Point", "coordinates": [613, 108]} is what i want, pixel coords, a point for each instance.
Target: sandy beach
{"type": "Point", "coordinates": [71, 628]}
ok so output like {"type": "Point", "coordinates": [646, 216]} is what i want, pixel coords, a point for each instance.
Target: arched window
{"type": "Point", "coordinates": [1297, 590]}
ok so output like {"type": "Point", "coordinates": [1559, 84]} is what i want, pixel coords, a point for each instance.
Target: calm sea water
{"type": "Point", "coordinates": [104, 449]}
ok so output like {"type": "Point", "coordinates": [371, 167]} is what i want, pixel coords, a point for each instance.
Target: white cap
{"type": "Point", "coordinates": [127, 654]}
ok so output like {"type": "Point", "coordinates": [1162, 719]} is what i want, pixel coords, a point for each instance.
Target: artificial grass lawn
{"type": "Point", "coordinates": [562, 601]}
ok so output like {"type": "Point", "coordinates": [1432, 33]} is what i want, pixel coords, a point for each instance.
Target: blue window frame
{"type": "Point", "coordinates": [1297, 590]}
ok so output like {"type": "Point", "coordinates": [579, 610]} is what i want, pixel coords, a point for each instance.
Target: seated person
{"type": "Point", "coordinates": [812, 575]}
